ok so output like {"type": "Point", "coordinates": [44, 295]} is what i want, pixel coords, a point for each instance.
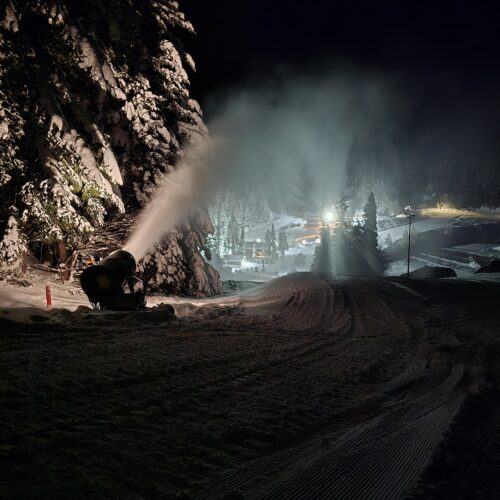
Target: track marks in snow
{"type": "Point", "coordinates": [379, 459]}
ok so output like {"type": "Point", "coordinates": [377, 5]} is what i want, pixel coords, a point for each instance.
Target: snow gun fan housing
{"type": "Point", "coordinates": [104, 282]}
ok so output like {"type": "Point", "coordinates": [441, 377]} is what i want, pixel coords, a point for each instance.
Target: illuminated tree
{"type": "Point", "coordinates": [273, 245]}
{"type": "Point", "coordinates": [322, 259]}
{"type": "Point", "coordinates": [341, 208]}
{"type": "Point", "coordinates": [374, 259]}
{"type": "Point", "coordinates": [282, 242]}
{"type": "Point", "coordinates": [241, 249]}
{"type": "Point", "coordinates": [93, 115]}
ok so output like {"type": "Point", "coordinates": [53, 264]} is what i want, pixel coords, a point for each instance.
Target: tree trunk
{"type": "Point", "coordinates": [62, 254]}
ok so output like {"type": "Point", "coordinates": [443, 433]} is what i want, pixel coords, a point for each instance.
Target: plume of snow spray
{"type": "Point", "coordinates": [179, 193]}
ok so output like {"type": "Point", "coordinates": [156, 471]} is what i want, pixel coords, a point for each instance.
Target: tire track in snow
{"type": "Point", "coordinates": [379, 459]}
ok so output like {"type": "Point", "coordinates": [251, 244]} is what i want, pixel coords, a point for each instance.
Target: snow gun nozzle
{"type": "Point", "coordinates": [103, 282]}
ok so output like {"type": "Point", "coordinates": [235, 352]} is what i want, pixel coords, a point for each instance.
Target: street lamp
{"type": "Point", "coordinates": [410, 214]}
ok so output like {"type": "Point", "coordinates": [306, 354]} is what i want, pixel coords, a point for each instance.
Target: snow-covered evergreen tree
{"type": "Point", "coordinates": [233, 236]}
{"type": "Point", "coordinates": [283, 245]}
{"type": "Point", "coordinates": [94, 109]}
{"type": "Point", "coordinates": [322, 259]}
{"type": "Point", "coordinates": [355, 246]}
{"type": "Point", "coordinates": [259, 212]}
{"type": "Point", "coordinates": [241, 249]}
{"type": "Point", "coordinates": [370, 216]}
{"type": "Point", "coordinates": [13, 245]}
{"type": "Point", "coordinates": [341, 209]}
{"type": "Point", "coordinates": [374, 257]}
{"type": "Point", "coordinates": [273, 246]}
{"type": "Point", "coordinates": [267, 246]}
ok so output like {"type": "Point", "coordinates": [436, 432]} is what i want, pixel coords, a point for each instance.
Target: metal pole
{"type": "Point", "coordinates": [409, 244]}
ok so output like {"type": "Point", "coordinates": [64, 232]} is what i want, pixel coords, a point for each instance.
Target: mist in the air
{"type": "Point", "coordinates": [289, 141]}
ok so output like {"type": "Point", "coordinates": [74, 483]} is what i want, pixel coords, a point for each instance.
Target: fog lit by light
{"type": "Point", "coordinates": [328, 216]}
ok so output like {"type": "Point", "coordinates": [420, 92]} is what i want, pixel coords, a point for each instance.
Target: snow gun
{"type": "Point", "coordinates": [104, 283]}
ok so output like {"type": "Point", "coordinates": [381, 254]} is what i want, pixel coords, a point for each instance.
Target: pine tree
{"type": "Point", "coordinates": [368, 239]}
{"type": "Point", "coordinates": [370, 216]}
{"type": "Point", "coordinates": [233, 236]}
{"type": "Point", "coordinates": [339, 251]}
{"type": "Point", "coordinates": [282, 242]}
{"type": "Point", "coordinates": [273, 245]}
{"type": "Point", "coordinates": [242, 242]}
{"type": "Point", "coordinates": [13, 245]}
{"type": "Point", "coordinates": [215, 241]}
{"type": "Point", "coordinates": [338, 245]}
{"type": "Point", "coordinates": [355, 247]}
{"type": "Point", "coordinates": [267, 245]}
{"type": "Point", "coordinates": [219, 232]}
{"type": "Point", "coordinates": [322, 259]}
{"type": "Point", "coordinates": [260, 210]}
{"type": "Point", "coordinates": [341, 209]}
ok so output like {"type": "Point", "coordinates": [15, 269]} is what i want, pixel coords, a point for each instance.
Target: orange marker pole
{"type": "Point", "coordinates": [48, 296]}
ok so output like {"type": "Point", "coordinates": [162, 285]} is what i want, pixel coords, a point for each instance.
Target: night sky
{"type": "Point", "coordinates": [438, 63]}
{"type": "Point", "coordinates": [241, 40]}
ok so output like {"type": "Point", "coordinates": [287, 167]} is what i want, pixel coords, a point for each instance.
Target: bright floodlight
{"type": "Point", "coordinates": [328, 216]}
{"type": "Point", "coordinates": [304, 242]}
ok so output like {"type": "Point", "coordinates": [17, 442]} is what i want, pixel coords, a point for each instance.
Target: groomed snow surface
{"type": "Point", "coordinates": [303, 387]}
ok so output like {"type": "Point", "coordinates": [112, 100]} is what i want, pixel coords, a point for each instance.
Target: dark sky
{"type": "Point", "coordinates": [439, 59]}
{"type": "Point", "coordinates": [242, 39]}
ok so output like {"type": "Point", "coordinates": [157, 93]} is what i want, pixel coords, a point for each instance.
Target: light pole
{"type": "Point", "coordinates": [410, 214]}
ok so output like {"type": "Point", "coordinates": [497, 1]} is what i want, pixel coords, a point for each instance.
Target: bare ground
{"type": "Point", "coordinates": [307, 388]}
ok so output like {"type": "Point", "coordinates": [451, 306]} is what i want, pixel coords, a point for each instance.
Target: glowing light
{"type": "Point", "coordinates": [328, 216]}
{"type": "Point", "coordinates": [258, 240]}
{"type": "Point", "coordinates": [318, 241]}
{"type": "Point", "coordinates": [304, 242]}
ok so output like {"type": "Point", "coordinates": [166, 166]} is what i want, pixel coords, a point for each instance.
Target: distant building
{"type": "Point", "coordinates": [233, 260]}
{"type": "Point", "coordinates": [254, 250]}
{"type": "Point", "coordinates": [313, 221]}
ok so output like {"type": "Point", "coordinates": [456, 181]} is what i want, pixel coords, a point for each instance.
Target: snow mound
{"type": "Point", "coordinates": [300, 302]}
{"type": "Point", "coordinates": [492, 267]}
{"type": "Point", "coordinates": [433, 272]}
{"type": "Point", "coordinates": [31, 319]}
